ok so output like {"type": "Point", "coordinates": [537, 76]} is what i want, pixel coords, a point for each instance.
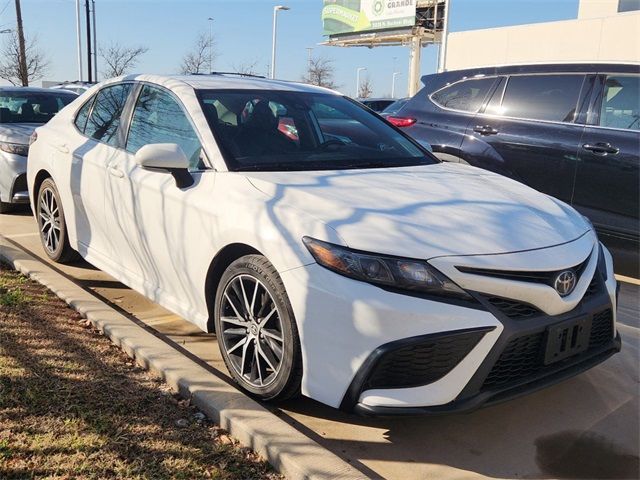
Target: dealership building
{"type": "Point", "coordinates": [605, 31]}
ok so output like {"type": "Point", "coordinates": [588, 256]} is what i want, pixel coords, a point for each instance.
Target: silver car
{"type": "Point", "coordinates": [22, 110]}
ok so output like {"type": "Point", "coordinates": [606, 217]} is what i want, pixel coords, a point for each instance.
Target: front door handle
{"type": "Point", "coordinates": [63, 148]}
{"type": "Point", "coordinates": [116, 172]}
{"type": "Point", "coordinates": [601, 148]}
{"type": "Point", "coordinates": [485, 130]}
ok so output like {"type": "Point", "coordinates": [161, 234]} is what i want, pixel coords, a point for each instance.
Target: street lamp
{"type": "Point", "coordinates": [393, 84]}
{"type": "Point", "coordinates": [358, 70]}
{"type": "Point", "coordinates": [210, 20]}
{"type": "Point", "coordinates": [276, 9]}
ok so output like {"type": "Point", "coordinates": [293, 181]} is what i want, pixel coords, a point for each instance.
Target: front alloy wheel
{"type": "Point", "coordinates": [256, 331]}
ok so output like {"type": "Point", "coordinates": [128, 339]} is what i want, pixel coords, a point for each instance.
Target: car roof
{"type": "Point", "coordinates": [31, 89]}
{"type": "Point", "coordinates": [224, 82]}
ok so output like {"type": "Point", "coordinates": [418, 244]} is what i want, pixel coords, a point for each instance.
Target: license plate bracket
{"type": "Point", "coordinates": [567, 339]}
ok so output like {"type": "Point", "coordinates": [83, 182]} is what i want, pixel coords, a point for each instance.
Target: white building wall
{"type": "Point", "coordinates": [590, 38]}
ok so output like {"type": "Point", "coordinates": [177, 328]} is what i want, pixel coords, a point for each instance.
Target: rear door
{"type": "Point", "coordinates": [608, 179]}
{"type": "Point", "coordinates": [530, 130]}
{"type": "Point", "coordinates": [444, 115]}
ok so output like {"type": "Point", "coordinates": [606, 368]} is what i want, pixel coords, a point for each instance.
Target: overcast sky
{"type": "Point", "coordinates": [242, 31]}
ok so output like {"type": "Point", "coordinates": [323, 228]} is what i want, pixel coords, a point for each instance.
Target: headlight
{"type": "Point", "coordinates": [15, 148]}
{"type": "Point", "coordinates": [402, 273]}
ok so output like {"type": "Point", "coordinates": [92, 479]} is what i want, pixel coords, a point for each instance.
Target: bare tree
{"type": "Point", "coordinates": [248, 68]}
{"type": "Point", "coordinates": [199, 60]}
{"type": "Point", "coordinates": [17, 72]}
{"type": "Point", "coordinates": [365, 89]}
{"type": "Point", "coordinates": [119, 60]}
{"type": "Point", "coordinates": [320, 72]}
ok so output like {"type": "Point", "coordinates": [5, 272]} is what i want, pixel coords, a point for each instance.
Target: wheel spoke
{"type": "Point", "coordinates": [243, 360]}
{"type": "Point", "coordinates": [247, 306]}
{"type": "Point", "coordinates": [253, 299]}
{"type": "Point", "coordinates": [275, 348]}
{"type": "Point", "coordinates": [235, 310]}
{"type": "Point", "coordinates": [270, 334]}
{"type": "Point", "coordinates": [235, 321]}
{"type": "Point", "coordinates": [237, 345]}
{"type": "Point", "coordinates": [266, 319]}
{"type": "Point", "coordinates": [265, 355]}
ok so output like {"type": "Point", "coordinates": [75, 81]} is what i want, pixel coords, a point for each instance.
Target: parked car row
{"type": "Point", "coordinates": [571, 131]}
{"type": "Point", "coordinates": [330, 252]}
{"type": "Point", "coordinates": [22, 110]}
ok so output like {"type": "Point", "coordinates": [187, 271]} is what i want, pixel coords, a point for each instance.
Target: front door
{"type": "Point", "coordinates": [528, 132]}
{"type": "Point", "coordinates": [608, 177]}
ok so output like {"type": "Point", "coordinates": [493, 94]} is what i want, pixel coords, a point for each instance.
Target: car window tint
{"type": "Point", "coordinates": [542, 97]}
{"type": "Point", "coordinates": [467, 95]}
{"type": "Point", "coordinates": [105, 117]}
{"type": "Point", "coordinates": [621, 103]}
{"type": "Point", "coordinates": [158, 118]}
{"type": "Point", "coordinates": [83, 115]}
{"type": "Point", "coordinates": [281, 130]}
{"type": "Point", "coordinates": [494, 104]}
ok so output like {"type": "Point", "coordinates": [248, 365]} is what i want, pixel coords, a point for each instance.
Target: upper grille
{"type": "Point", "coordinates": [513, 308]}
{"type": "Point", "coordinates": [424, 362]}
{"type": "Point", "coordinates": [523, 357]}
{"type": "Point", "coordinates": [524, 276]}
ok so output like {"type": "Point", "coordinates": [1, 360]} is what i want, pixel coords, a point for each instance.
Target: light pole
{"type": "Point", "coordinates": [393, 84]}
{"type": "Point", "coordinates": [358, 70]}
{"type": "Point", "coordinates": [276, 9]}
{"type": "Point", "coordinates": [309, 50]}
{"type": "Point", "coordinates": [210, 20]}
{"type": "Point", "coordinates": [79, 40]}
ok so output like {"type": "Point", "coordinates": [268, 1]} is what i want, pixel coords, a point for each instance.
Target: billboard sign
{"type": "Point", "coordinates": [355, 16]}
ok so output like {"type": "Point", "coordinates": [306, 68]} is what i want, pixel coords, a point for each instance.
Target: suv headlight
{"type": "Point", "coordinates": [15, 148]}
{"type": "Point", "coordinates": [396, 272]}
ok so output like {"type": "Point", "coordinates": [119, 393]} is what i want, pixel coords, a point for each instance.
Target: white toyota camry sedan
{"type": "Point", "coordinates": [330, 253]}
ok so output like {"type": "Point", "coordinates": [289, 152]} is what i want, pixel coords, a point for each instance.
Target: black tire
{"type": "Point", "coordinates": [286, 378]}
{"type": "Point", "coordinates": [6, 207]}
{"type": "Point", "coordinates": [60, 251]}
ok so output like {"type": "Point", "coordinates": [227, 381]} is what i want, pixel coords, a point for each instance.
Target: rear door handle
{"type": "Point", "coordinates": [116, 172]}
{"type": "Point", "coordinates": [601, 148]}
{"type": "Point", "coordinates": [485, 130]}
{"type": "Point", "coordinates": [63, 148]}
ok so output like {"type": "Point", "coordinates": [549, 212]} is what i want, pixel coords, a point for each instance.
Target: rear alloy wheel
{"type": "Point", "coordinates": [51, 223]}
{"type": "Point", "coordinates": [256, 330]}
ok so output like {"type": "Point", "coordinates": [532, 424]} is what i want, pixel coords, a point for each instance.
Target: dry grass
{"type": "Point", "coordinates": [74, 406]}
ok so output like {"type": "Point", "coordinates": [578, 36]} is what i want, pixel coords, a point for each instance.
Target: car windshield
{"type": "Point", "coordinates": [32, 107]}
{"type": "Point", "coordinates": [276, 130]}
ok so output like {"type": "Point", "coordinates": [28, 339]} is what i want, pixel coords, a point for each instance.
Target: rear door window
{"type": "Point", "coordinates": [621, 103]}
{"type": "Point", "coordinates": [467, 95]}
{"type": "Point", "coordinates": [105, 118]}
{"type": "Point", "coordinates": [542, 97]}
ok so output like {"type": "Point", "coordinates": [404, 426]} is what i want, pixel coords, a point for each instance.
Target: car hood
{"type": "Point", "coordinates": [426, 211]}
{"type": "Point", "coordinates": [17, 132]}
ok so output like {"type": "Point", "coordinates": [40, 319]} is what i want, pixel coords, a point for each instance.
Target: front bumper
{"type": "Point", "coordinates": [13, 178]}
{"type": "Point", "coordinates": [454, 350]}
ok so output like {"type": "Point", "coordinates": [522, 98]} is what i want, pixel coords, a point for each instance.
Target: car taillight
{"type": "Point", "coordinates": [401, 121]}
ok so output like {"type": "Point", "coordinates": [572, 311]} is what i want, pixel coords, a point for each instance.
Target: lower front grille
{"type": "Point", "coordinates": [523, 357]}
{"type": "Point", "coordinates": [423, 361]}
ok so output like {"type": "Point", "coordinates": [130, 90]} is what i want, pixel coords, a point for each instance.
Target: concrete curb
{"type": "Point", "coordinates": [289, 451]}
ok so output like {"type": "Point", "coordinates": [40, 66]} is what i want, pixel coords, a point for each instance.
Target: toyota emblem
{"type": "Point", "coordinates": [565, 282]}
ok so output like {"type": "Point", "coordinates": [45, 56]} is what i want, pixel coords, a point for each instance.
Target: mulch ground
{"type": "Point", "coordinates": [74, 406]}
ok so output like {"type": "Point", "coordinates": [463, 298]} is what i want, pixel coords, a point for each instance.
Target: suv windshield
{"type": "Point", "coordinates": [32, 107]}
{"type": "Point", "coordinates": [275, 130]}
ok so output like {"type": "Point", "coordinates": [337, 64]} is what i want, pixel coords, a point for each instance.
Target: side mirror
{"type": "Point", "coordinates": [169, 157]}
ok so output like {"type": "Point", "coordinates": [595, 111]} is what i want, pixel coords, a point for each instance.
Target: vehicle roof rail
{"type": "Point", "coordinates": [239, 74]}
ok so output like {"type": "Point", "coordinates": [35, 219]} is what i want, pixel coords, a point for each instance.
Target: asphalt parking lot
{"type": "Point", "coordinates": [586, 427]}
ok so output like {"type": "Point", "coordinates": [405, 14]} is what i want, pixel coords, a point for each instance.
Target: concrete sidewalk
{"type": "Point", "coordinates": [287, 449]}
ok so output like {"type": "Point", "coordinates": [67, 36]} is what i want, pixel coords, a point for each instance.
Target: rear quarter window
{"type": "Point", "coordinates": [465, 96]}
